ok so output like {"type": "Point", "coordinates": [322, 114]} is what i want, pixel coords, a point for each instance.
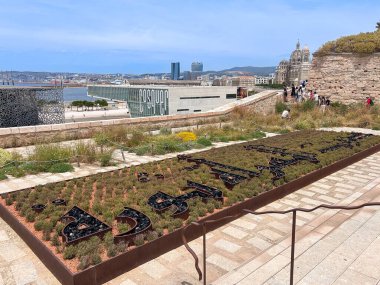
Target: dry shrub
{"type": "Point", "coordinates": [118, 133]}
{"type": "Point", "coordinates": [364, 121]}
{"type": "Point", "coordinates": [240, 112]}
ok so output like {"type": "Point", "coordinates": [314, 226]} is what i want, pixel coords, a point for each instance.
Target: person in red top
{"type": "Point", "coordinates": [311, 95]}
{"type": "Point", "coordinates": [368, 102]}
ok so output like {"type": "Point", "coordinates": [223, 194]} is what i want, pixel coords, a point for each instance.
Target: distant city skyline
{"type": "Point", "coordinates": [135, 37]}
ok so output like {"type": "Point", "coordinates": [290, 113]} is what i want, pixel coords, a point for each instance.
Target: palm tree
{"type": "Point", "coordinates": [378, 26]}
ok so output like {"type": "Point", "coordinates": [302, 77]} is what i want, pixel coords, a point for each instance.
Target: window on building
{"type": "Point", "coordinates": [182, 110]}
{"type": "Point", "coordinates": [197, 111]}
{"type": "Point", "coordinates": [230, 96]}
{"type": "Point", "coordinates": [203, 97]}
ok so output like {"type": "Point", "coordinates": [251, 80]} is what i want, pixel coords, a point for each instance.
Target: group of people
{"type": "Point", "coordinates": [301, 93]}
{"type": "Point", "coordinates": [298, 93]}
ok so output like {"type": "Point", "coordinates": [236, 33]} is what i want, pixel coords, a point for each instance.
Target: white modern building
{"type": "Point", "coordinates": [262, 80]}
{"type": "Point", "coordinates": [143, 101]}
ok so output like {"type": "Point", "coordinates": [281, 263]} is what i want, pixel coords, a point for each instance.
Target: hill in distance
{"type": "Point", "coordinates": [265, 70]}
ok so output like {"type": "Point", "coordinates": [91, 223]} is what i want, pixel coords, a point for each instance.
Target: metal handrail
{"type": "Point", "coordinates": [232, 217]}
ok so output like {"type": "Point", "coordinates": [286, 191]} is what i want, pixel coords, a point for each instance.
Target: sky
{"type": "Point", "coordinates": [145, 36]}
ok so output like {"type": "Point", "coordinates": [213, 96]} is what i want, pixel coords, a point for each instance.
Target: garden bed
{"type": "Point", "coordinates": [109, 223]}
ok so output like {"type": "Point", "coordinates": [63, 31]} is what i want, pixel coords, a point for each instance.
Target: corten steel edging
{"type": "Point", "coordinates": [54, 264]}
{"type": "Point", "coordinates": [122, 263]}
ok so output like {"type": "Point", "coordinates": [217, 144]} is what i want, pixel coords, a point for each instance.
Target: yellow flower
{"type": "Point", "coordinates": [187, 136]}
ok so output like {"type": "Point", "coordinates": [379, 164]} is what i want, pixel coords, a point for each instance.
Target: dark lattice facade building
{"type": "Point", "coordinates": [29, 106]}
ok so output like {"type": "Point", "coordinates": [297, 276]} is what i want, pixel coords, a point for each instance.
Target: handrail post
{"type": "Point", "coordinates": [293, 246]}
{"type": "Point", "coordinates": [122, 154]}
{"type": "Point", "coordinates": [204, 253]}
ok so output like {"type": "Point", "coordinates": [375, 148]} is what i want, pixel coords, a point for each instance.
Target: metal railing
{"type": "Point", "coordinates": [294, 222]}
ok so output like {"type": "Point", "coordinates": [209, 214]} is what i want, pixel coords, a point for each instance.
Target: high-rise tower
{"type": "Point", "coordinates": [175, 71]}
{"type": "Point", "coordinates": [197, 67]}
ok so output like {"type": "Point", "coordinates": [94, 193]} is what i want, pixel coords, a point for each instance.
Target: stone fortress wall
{"type": "Point", "coordinates": [346, 77]}
{"type": "Point", "coordinates": [262, 103]}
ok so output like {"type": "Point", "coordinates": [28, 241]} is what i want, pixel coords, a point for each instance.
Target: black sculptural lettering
{"type": "Point", "coordinates": [267, 149]}
{"type": "Point", "coordinates": [59, 202]}
{"type": "Point", "coordinates": [159, 176]}
{"type": "Point", "coordinates": [277, 164]}
{"type": "Point", "coordinates": [311, 157]}
{"type": "Point", "coordinates": [347, 142]}
{"type": "Point", "coordinates": [161, 201]}
{"type": "Point", "coordinates": [81, 225]}
{"type": "Point", "coordinates": [139, 222]}
{"type": "Point", "coordinates": [38, 208]}
{"type": "Point", "coordinates": [210, 163]}
{"type": "Point", "coordinates": [143, 177]}
{"type": "Point", "coordinates": [229, 179]}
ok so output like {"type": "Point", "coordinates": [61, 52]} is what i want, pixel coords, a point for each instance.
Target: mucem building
{"type": "Point", "coordinates": [29, 106]}
{"type": "Point", "coordinates": [144, 101]}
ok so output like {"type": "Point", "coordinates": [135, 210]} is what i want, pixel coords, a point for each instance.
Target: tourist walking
{"type": "Point", "coordinates": [285, 94]}
{"type": "Point", "coordinates": [293, 94]}
{"type": "Point", "coordinates": [296, 96]}
{"type": "Point", "coordinates": [316, 97]}
{"type": "Point", "coordinates": [328, 102]}
{"type": "Point", "coordinates": [323, 104]}
{"type": "Point", "coordinates": [311, 95]}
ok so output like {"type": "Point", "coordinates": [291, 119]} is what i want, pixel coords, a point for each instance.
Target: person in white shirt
{"type": "Point", "coordinates": [285, 114]}
{"type": "Point", "coordinates": [316, 97]}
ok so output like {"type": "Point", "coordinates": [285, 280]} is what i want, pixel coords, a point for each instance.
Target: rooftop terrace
{"type": "Point", "coordinates": [333, 247]}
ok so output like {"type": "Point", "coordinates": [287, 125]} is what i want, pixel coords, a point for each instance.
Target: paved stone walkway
{"type": "Point", "coordinates": [334, 247]}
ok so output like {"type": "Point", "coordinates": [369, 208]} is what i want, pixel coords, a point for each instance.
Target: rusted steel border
{"type": "Point", "coordinates": [55, 265]}
{"type": "Point", "coordinates": [122, 263]}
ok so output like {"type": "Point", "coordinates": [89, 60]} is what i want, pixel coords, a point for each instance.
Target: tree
{"type": "Point", "coordinates": [77, 104]}
{"type": "Point", "coordinates": [101, 103]}
{"type": "Point", "coordinates": [88, 104]}
{"type": "Point", "coordinates": [378, 26]}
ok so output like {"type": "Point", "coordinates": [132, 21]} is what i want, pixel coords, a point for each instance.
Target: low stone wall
{"type": "Point", "coordinates": [266, 104]}
{"type": "Point", "coordinates": [347, 77]}
{"type": "Point", "coordinates": [21, 136]}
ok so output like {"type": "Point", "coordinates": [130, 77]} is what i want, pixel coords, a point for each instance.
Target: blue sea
{"type": "Point", "coordinates": [69, 93]}
{"type": "Point", "coordinates": [76, 93]}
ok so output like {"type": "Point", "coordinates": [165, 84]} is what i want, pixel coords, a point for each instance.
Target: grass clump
{"type": "Point", "coordinates": [60, 167]}
{"type": "Point", "coordinates": [280, 107]}
{"type": "Point", "coordinates": [139, 240]}
{"type": "Point", "coordinates": [204, 141]}
{"type": "Point", "coordinates": [5, 156]}
{"type": "Point", "coordinates": [69, 252]}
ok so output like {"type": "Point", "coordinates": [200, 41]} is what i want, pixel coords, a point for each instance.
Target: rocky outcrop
{"type": "Point", "coordinates": [347, 78]}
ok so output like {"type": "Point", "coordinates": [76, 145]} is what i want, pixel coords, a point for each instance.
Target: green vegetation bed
{"type": "Point", "coordinates": [363, 43]}
{"type": "Point", "coordinates": [105, 196]}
